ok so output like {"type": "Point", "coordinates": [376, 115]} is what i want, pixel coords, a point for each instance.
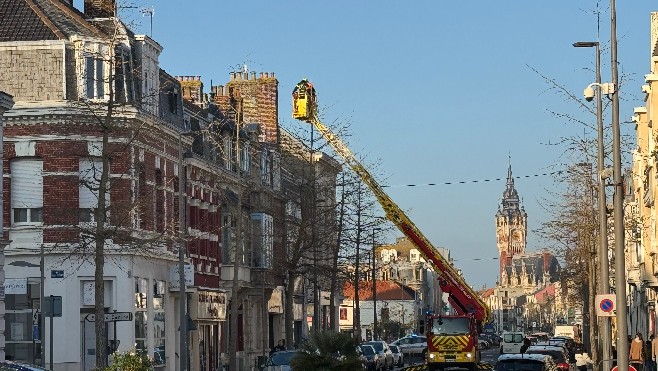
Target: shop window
{"type": "Point", "coordinates": [159, 322]}
{"type": "Point", "coordinates": [141, 314]}
{"type": "Point", "coordinates": [22, 324]}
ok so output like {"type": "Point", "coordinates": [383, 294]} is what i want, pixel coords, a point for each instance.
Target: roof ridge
{"type": "Point", "coordinates": [45, 19]}
{"type": "Point", "coordinates": [81, 20]}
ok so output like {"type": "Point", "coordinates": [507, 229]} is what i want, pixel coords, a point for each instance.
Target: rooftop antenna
{"type": "Point", "coordinates": [150, 11]}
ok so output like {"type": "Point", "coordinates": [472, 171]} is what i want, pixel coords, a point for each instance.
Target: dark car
{"type": "Point", "coordinates": [525, 362]}
{"type": "Point", "coordinates": [373, 361]}
{"type": "Point", "coordinates": [560, 355]}
{"type": "Point", "coordinates": [16, 366]}
{"type": "Point", "coordinates": [280, 360]}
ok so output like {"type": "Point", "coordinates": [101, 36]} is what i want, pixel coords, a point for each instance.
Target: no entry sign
{"type": "Point", "coordinates": [605, 305]}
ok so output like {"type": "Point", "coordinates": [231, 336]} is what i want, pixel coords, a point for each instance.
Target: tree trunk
{"type": "Point", "coordinates": [100, 215]}
{"type": "Point", "coordinates": [334, 263]}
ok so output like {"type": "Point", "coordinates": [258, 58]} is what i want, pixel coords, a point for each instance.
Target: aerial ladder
{"type": "Point", "coordinates": [452, 340]}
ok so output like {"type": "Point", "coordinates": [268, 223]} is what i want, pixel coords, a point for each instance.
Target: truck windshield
{"type": "Point", "coordinates": [450, 326]}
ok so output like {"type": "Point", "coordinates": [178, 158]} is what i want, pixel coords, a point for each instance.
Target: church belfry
{"type": "Point", "coordinates": [511, 224]}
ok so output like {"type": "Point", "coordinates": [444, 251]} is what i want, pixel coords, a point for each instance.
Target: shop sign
{"type": "Point", "coordinates": [16, 286]}
{"type": "Point", "coordinates": [212, 305]}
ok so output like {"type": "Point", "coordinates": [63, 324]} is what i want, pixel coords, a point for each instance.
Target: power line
{"type": "Point", "coordinates": [474, 181]}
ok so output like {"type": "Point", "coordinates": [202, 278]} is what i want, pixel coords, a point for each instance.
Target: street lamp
{"type": "Point", "coordinates": [604, 269]}
{"type": "Point", "coordinates": [618, 204]}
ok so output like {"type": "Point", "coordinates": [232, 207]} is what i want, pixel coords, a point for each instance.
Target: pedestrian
{"type": "Point", "coordinates": [649, 364]}
{"type": "Point", "coordinates": [636, 355]}
{"type": "Point", "coordinates": [654, 351]}
{"type": "Point", "coordinates": [583, 360]}
{"type": "Point", "coordinates": [526, 345]}
{"type": "Point", "coordinates": [281, 345]}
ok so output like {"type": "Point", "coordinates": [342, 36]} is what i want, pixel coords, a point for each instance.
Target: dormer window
{"type": "Point", "coordinates": [94, 78]}
{"type": "Point", "coordinates": [123, 76]}
{"type": "Point", "coordinates": [173, 101]}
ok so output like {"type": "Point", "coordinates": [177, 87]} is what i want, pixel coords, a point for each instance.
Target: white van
{"type": "Point", "coordinates": [511, 342]}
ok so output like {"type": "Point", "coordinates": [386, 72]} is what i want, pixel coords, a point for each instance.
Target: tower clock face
{"type": "Point", "coordinates": [517, 236]}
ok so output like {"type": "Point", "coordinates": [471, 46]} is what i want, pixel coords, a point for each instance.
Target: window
{"type": "Point", "coordinates": [159, 322]}
{"type": "Point", "coordinates": [26, 191]}
{"type": "Point", "coordinates": [244, 157]}
{"type": "Point", "coordinates": [266, 167]}
{"type": "Point", "coordinates": [228, 154]}
{"type": "Point", "coordinates": [94, 78]}
{"type": "Point", "coordinates": [22, 302]}
{"type": "Point", "coordinates": [173, 101]}
{"type": "Point", "coordinates": [90, 170]}
{"type": "Point", "coordinates": [141, 314]}
{"type": "Point", "coordinates": [123, 76]}
{"type": "Point", "coordinates": [262, 242]}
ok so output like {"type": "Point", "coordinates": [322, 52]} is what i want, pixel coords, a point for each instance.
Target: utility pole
{"type": "Point", "coordinates": [374, 286]}
{"type": "Point", "coordinates": [620, 259]}
{"type": "Point", "coordinates": [182, 289]}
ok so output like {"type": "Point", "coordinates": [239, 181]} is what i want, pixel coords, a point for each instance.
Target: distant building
{"type": "Point", "coordinates": [521, 274]}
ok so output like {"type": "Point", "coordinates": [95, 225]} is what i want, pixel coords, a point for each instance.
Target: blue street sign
{"type": "Point", "coordinates": [56, 274]}
{"type": "Point", "coordinates": [35, 332]}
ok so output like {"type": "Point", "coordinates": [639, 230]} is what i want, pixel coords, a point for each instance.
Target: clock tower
{"type": "Point", "coordinates": [511, 225]}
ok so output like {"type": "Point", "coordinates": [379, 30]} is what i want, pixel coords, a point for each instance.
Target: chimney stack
{"type": "Point", "coordinates": [100, 8]}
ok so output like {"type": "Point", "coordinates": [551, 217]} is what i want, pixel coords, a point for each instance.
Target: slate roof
{"type": "Point", "coordinates": [36, 20]}
{"type": "Point", "coordinates": [535, 266]}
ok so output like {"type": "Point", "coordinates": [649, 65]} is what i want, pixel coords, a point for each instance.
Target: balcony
{"type": "Point", "coordinates": [244, 273]}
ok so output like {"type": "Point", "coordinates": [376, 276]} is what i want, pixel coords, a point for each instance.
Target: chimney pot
{"type": "Point", "coordinates": [99, 8]}
{"type": "Point", "coordinates": [272, 74]}
{"type": "Point", "coordinates": [261, 75]}
{"type": "Point", "coordinates": [267, 74]}
{"type": "Point", "coordinates": [253, 75]}
{"type": "Point", "coordinates": [232, 76]}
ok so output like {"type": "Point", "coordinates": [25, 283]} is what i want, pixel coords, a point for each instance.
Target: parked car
{"type": "Point", "coordinates": [16, 366]}
{"type": "Point", "coordinates": [384, 351]}
{"type": "Point", "coordinates": [279, 361]}
{"type": "Point", "coordinates": [373, 361]}
{"type": "Point", "coordinates": [560, 355]}
{"type": "Point", "coordinates": [413, 344]}
{"type": "Point", "coordinates": [525, 362]}
{"type": "Point", "coordinates": [398, 356]}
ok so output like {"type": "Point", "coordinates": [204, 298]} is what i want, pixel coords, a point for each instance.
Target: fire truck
{"type": "Point", "coordinates": [452, 339]}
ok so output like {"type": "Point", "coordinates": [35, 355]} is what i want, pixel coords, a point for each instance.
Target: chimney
{"type": "Point", "coordinates": [100, 8]}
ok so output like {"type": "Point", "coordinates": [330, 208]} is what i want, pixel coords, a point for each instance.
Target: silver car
{"type": "Point", "coordinates": [398, 356]}
{"type": "Point", "coordinates": [413, 344]}
{"type": "Point", "coordinates": [384, 351]}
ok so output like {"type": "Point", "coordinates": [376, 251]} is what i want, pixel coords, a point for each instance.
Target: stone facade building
{"type": "Point", "coordinates": [521, 273]}
{"type": "Point", "coordinates": [66, 69]}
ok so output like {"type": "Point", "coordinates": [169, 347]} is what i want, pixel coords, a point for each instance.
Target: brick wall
{"type": "Point", "coordinates": [33, 71]}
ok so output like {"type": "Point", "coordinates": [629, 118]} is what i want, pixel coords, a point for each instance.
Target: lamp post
{"type": "Point", "coordinates": [182, 288]}
{"type": "Point", "coordinates": [374, 286]}
{"type": "Point", "coordinates": [618, 204]}
{"type": "Point", "coordinates": [604, 268]}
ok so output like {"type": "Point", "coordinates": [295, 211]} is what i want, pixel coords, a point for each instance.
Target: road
{"type": "Point", "coordinates": [489, 356]}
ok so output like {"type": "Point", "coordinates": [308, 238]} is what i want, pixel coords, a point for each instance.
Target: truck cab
{"type": "Point", "coordinates": [452, 342]}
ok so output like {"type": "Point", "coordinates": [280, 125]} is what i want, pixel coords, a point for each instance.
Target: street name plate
{"type": "Point", "coordinates": [112, 317]}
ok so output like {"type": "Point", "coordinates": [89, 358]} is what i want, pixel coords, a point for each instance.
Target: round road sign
{"type": "Point", "coordinates": [607, 305]}
{"type": "Point", "coordinates": [630, 368]}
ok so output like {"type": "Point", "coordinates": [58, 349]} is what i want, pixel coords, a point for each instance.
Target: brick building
{"type": "Point", "coordinates": [63, 67]}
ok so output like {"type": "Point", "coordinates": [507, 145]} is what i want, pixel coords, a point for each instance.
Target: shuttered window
{"type": "Point", "coordinates": [27, 190]}
{"type": "Point", "coordinates": [90, 178]}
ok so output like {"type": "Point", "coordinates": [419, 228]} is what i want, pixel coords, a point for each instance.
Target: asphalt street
{"type": "Point", "coordinates": [489, 356]}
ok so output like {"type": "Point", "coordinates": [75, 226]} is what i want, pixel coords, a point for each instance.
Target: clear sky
{"type": "Point", "coordinates": [438, 91]}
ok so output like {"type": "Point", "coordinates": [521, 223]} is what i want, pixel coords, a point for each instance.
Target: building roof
{"type": "Point", "coordinates": [486, 293]}
{"type": "Point", "coordinates": [386, 290]}
{"type": "Point", "coordinates": [37, 20]}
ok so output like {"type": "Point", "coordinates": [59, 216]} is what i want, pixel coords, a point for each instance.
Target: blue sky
{"type": "Point", "coordinates": [436, 91]}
